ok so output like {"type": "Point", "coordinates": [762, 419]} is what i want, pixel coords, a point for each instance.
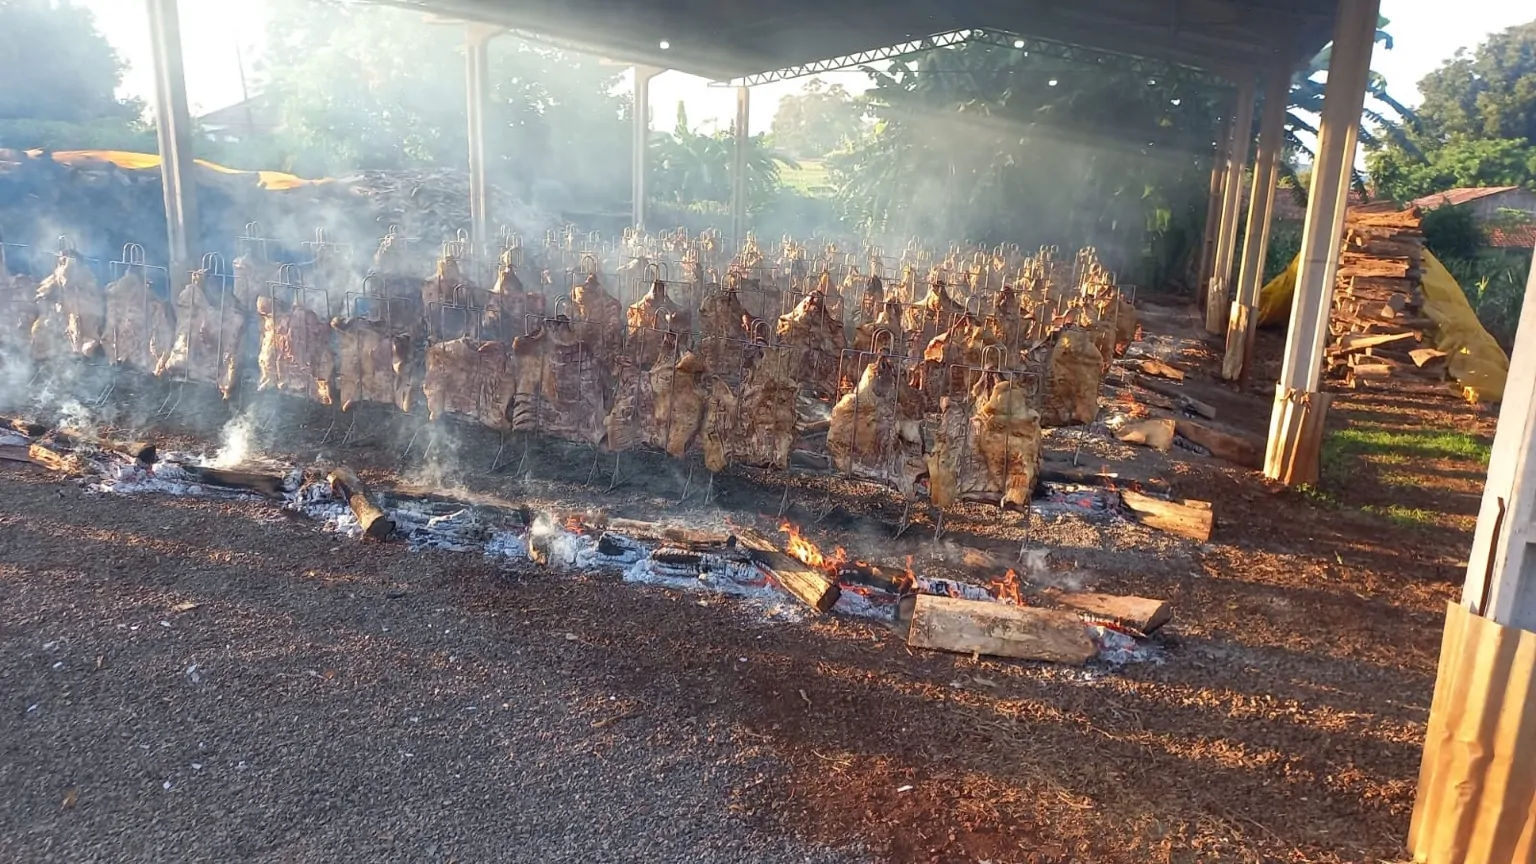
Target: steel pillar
{"type": "Point", "coordinates": [1231, 207]}
{"type": "Point", "coordinates": [478, 87]}
{"type": "Point", "coordinates": [642, 140]}
{"type": "Point", "coordinates": [173, 128]}
{"type": "Point", "coordinates": [1242, 323]}
{"type": "Point", "coordinates": [1296, 424]}
{"type": "Point", "coordinates": [739, 166]}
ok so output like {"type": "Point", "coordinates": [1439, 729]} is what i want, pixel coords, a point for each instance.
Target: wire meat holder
{"type": "Point", "coordinates": [992, 364]}
{"type": "Point", "coordinates": [373, 307]}
{"type": "Point", "coordinates": [291, 304]}
{"type": "Point", "coordinates": [150, 309]}
{"type": "Point", "coordinates": [211, 268]}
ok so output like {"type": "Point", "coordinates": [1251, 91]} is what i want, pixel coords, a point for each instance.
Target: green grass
{"type": "Point", "coordinates": [1427, 443]}
{"type": "Point", "coordinates": [1406, 517]}
{"type": "Point", "coordinates": [811, 178]}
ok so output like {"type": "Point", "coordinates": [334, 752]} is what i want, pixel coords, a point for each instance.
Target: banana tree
{"type": "Point", "coordinates": [689, 166]}
{"type": "Point", "coordinates": [1385, 120]}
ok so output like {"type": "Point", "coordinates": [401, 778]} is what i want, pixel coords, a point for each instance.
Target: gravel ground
{"type": "Point", "coordinates": [325, 703]}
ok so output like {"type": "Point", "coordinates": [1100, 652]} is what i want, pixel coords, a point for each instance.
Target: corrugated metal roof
{"type": "Point", "coordinates": [1459, 196]}
{"type": "Point", "coordinates": [746, 37]}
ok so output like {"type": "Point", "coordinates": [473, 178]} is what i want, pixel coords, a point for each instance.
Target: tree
{"type": "Point", "coordinates": [368, 87]}
{"type": "Point", "coordinates": [688, 166]}
{"type": "Point", "coordinates": [1388, 121]}
{"type": "Point", "coordinates": [817, 120]}
{"type": "Point", "coordinates": [1475, 127]}
{"type": "Point", "coordinates": [61, 77]}
{"type": "Point", "coordinates": [1490, 94]}
{"type": "Point", "coordinates": [1457, 163]}
{"type": "Point", "coordinates": [994, 145]}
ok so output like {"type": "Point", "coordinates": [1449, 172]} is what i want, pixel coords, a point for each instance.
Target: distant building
{"type": "Point", "coordinates": [1485, 202]}
{"type": "Point", "coordinates": [1493, 204]}
{"type": "Point", "coordinates": [256, 117]}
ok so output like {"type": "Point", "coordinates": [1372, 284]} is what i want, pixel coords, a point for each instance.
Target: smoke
{"type": "Point", "coordinates": [1035, 568]}
{"type": "Point", "coordinates": [236, 441]}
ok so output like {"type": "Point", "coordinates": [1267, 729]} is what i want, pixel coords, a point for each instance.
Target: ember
{"type": "Point", "coordinates": [1007, 590]}
{"type": "Point", "coordinates": [809, 554]}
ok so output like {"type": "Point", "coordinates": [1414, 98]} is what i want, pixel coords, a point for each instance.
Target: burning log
{"type": "Point", "coordinates": [1160, 369]}
{"type": "Point", "coordinates": [48, 456]}
{"type": "Point", "coordinates": [1238, 449]}
{"type": "Point", "coordinates": [880, 578]}
{"type": "Point", "coordinates": [692, 538]}
{"type": "Point", "coordinates": [348, 486]}
{"type": "Point", "coordinates": [1192, 519]}
{"type": "Point", "coordinates": [1185, 401]}
{"type": "Point", "coordinates": [1142, 614]}
{"type": "Point", "coordinates": [269, 485]}
{"type": "Point", "coordinates": [999, 630]}
{"type": "Point", "coordinates": [811, 585]}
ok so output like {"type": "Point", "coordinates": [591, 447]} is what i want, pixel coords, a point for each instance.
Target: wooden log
{"type": "Point", "coordinates": [1157, 434]}
{"type": "Point", "coordinates": [270, 485]}
{"type": "Point", "coordinates": [1239, 449]}
{"type": "Point", "coordinates": [375, 522]}
{"type": "Point", "coordinates": [62, 461]}
{"type": "Point", "coordinates": [1422, 356]}
{"type": "Point", "coordinates": [1142, 614]}
{"type": "Point", "coordinates": [15, 453]}
{"type": "Point", "coordinates": [1176, 517]}
{"type": "Point", "coordinates": [25, 427]}
{"type": "Point", "coordinates": [690, 537]}
{"type": "Point", "coordinates": [1172, 392]}
{"type": "Point", "coordinates": [1056, 472]}
{"type": "Point", "coordinates": [1371, 370]}
{"type": "Point", "coordinates": [1160, 369]}
{"type": "Point", "coordinates": [999, 630]}
{"type": "Point", "coordinates": [1361, 342]}
{"type": "Point", "coordinates": [810, 586]}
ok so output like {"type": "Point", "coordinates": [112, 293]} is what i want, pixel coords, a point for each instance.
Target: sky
{"type": "Point", "coordinates": [217, 32]}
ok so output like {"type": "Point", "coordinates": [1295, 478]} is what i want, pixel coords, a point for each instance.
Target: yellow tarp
{"type": "Point", "coordinates": [1477, 362]}
{"type": "Point", "coordinates": [272, 180]}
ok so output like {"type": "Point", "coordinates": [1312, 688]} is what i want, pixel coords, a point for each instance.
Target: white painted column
{"type": "Point", "coordinates": [1296, 424]}
{"type": "Point", "coordinates": [642, 140]}
{"type": "Point", "coordinates": [173, 129]}
{"type": "Point", "coordinates": [1242, 322]}
{"type": "Point", "coordinates": [1501, 571]}
{"type": "Point", "coordinates": [478, 81]}
{"type": "Point", "coordinates": [739, 166]}
{"type": "Point", "coordinates": [1219, 288]}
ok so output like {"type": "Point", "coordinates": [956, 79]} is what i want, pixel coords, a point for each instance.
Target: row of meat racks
{"type": "Point", "coordinates": [939, 389]}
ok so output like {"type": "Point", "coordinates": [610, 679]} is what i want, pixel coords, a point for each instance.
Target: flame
{"type": "Point", "coordinates": [574, 523]}
{"type": "Point", "coordinates": [1007, 588]}
{"type": "Point", "coordinates": [809, 554]}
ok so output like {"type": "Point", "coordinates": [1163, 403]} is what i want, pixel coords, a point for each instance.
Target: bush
{"type": "Point", "coordinates": [1452, 232]}
{"type": "Point", "coordinates": [1494, 282]}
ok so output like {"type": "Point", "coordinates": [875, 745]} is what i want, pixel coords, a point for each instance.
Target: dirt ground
{"type": "Point", "coordinates": [327, 699]}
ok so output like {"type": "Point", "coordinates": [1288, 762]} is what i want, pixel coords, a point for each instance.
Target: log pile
{"type": "Point", "coordinates": [1375, 324]}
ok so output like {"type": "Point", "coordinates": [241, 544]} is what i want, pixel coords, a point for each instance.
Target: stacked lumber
{"type": "Point", "coordinates": [1375, 324]}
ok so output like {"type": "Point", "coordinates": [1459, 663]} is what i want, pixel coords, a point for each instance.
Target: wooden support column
{"type": "Point", "coordinates": [1477, 790]}
{"type": "Point", "coordinates": [741, 139]}
{"type": "Point", "coordinates": [1213, 208]}
{"type": "Point", "coordinates": [1219, 287]}
{"type": "Point", "coordinates": [1296, 424]}
{"type": "Point", "coordinates": [1242, 323]}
